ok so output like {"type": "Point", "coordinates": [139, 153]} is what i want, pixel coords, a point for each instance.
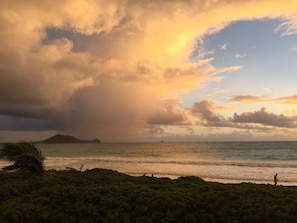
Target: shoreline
{"type": "Point", "coordinates": [219, 181]}
{"type": "Point", "coordinates": [174, 176]}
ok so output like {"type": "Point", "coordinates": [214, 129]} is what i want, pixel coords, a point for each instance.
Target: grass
{"type": "Point", "coordinates": [101, 195]}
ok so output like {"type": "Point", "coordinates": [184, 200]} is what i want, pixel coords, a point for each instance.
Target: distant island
{"type": "Point", "coordinates": [66, 139]}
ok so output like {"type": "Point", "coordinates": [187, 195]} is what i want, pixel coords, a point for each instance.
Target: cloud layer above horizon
{"type": "Point", "coordinates": [116, 70]}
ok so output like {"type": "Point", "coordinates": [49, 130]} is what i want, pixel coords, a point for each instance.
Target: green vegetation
{"type": "Point", "coordinates": [25, 156]}
{"type": "Point", "coordinates": [100, 195]}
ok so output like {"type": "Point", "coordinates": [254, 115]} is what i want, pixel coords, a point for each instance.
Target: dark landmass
{"type": "Point", "coordinates": [101, 195]}
{"type": "Point", "coordinates": [67, 139]}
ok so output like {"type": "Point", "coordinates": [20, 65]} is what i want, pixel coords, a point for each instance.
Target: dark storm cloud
{"type": "Point", "coordinates": [103, 68]}
{"type": "Point", "coordinates": [262, 119]}
{"type": "Point", "coordinates": [27, 124]}
{"type": "Point", "coordinates": [266, 118]}
{"type": "Point", "coordinates": [168, 113]}
{"type": "Point", "coordinates": [205, 111]}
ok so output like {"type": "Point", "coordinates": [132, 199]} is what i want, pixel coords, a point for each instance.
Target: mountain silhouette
{"type": "Point", "coordinates": [67, 139]}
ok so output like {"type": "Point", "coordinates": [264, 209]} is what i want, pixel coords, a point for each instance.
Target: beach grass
{"type": "Point", "coordinates": [100, 195]}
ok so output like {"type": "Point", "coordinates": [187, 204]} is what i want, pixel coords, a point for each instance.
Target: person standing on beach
{"type": "Point", "coordinates": [275, 179]}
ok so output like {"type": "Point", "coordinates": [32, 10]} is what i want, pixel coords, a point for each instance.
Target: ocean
{"type": "Point", "coordinates": [225, 162]}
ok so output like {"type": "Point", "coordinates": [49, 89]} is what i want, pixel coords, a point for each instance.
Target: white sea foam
{"type": "Point", "coordinates": [224, 171]}
{"type": "Point", "coordinates": [221, 162]}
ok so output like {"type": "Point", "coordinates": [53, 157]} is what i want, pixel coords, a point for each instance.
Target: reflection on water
{"type": "Point", "coordinates": [223, 162]}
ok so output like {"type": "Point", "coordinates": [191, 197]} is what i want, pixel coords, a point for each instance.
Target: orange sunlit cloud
{"type": "Point", "coordinates": [105, 68]}
{"type": "Point", "coordinates": [250, 99]}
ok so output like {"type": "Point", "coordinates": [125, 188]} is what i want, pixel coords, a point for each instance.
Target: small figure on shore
{"type": "Point", "coordinates": [81, 167]}
{"type": "Point", "coordinates": [275, 179]}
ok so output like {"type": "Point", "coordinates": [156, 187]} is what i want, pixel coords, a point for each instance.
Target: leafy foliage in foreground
{"type": "Point", "coordinates": [107, 196]}
{"type": "Point", "coordinates": [25, 156]}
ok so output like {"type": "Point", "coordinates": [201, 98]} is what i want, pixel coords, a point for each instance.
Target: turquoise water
{"type": "Point", "coordinates": [227, 162]}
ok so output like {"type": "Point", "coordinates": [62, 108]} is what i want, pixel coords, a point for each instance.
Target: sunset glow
{"type": "Point", "coordinates": [127, 70]}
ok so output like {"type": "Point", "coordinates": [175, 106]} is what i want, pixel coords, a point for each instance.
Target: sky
{"type": "Point", "coordinates": [127, 70]}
